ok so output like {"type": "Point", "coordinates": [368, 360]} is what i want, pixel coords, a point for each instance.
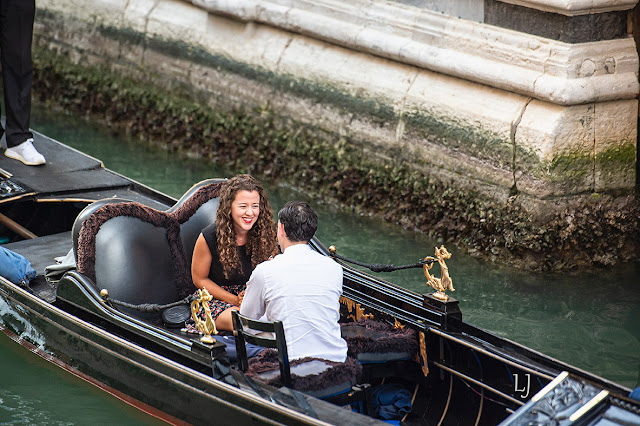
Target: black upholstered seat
{"type": "Point", "coordinates": [139, 254]}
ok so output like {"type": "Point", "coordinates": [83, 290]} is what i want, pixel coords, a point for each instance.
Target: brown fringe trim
{"type": "Point", "coordinates": [340, 372]}
{"type": "Point", "coordinates": [387, 339]}
{"type": "Point", "coordinates": [170, 221]}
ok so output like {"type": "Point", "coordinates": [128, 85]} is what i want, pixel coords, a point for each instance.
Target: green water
{"type": "Point", "coordinates": [588, 319]}
{"type": "Point", "coordinates": [34, 391]}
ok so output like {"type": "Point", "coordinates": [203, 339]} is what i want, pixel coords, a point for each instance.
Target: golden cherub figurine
{"type": "Point", "coordinates": [444, 282]}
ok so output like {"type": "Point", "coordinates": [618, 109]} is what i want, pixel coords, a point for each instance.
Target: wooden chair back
{"type": "Point", "coordinates": [246, 330]}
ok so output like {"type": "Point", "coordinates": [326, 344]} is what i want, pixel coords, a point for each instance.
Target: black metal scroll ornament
{"type": "Point", "coordinates": [565, 400]}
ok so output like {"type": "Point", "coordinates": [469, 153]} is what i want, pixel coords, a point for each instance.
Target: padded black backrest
{"type": "Point", "coordinates": [134, 262]}
{"type": "Point", "coordinates": [84, 214]}
{"type": "Point", "coordinates": [139, 254]}
{"type": "Point", "coordinates": [131, 257]}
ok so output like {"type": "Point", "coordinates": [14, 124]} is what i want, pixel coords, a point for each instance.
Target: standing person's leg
{"type": "Point", "coordinates": [16, 34]}
{"type": "Point", "coordinates": [3, 18]}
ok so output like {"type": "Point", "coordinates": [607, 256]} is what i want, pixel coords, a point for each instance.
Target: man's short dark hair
{"type": "Point", "coordinates": [300, 221]}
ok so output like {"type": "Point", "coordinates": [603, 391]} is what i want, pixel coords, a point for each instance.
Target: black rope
{"type": "Point", "coordinates": [381, 267]}
{"type": "Point", "coordinates": [152, 307]}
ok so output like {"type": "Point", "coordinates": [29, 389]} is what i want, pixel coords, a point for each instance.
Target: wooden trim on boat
{"type": "Point", "coordinates": [17, 197]}
{"type": "Point", "coordinates": [16, 227]}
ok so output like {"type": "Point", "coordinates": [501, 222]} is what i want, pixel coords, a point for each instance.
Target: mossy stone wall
{"type": "Point", "coordinates": [360, 174]}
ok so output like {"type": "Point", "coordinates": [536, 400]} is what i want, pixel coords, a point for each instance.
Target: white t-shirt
{"type": "Point", "coordinates": [301, 288]}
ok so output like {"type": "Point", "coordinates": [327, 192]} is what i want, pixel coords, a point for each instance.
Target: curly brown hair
{"type": "Point", "coordinates": [261, 239]}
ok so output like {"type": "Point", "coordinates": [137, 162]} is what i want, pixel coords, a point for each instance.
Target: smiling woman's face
{"type": "Point", "coordinates": [245, 210]}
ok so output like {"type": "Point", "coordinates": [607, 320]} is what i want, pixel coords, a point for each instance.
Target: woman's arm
{"type": "Point", "coordinates": [200, 267]}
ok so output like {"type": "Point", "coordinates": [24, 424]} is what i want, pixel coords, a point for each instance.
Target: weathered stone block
{"type": "Point", "coordinates": [188, 24]}
{"type": "Point", "coordinates": [555, 150]}
{"type": "Point", "coordinates": [570, 150]}
{"type": "Point", "coordinates": [248, 42]}
{"type": "Point", "coordinates": [467, 117]}
{"type": "Point", "coordinates": [136, 15]}
{"type": "Point", "coordinates": [615, 145]}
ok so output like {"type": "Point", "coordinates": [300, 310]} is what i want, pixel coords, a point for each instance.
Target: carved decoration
{"type": "Point", "coordinates": [397, 324]}
{"type": "Point", "coordinates": [355, 310]}
{"type": "Point", "coordinates": [208, 326]}
{"type": "Point", "coordinates": [444, 282]}
{"type": "Point", "coordinates": [423, 354]}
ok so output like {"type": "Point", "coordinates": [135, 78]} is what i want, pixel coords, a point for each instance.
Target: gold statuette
{"type": "Point", "coordinates": [208, 326]}
{"type": "Point", "coordinates": [444, 282]}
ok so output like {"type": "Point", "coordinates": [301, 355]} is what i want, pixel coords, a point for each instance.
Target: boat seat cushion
{"type": "Point", "coordinates": [142, 255]}
{"type": "Point", "coordinates": [316, 377]}
{"type": "Point", "coordinates": [371, 341]}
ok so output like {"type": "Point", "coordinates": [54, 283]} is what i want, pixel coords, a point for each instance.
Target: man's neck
{"type": "Point", "coordinates": [288, 244]}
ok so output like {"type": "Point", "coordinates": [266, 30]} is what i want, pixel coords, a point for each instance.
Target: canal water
{"type": "Point", "coordinates": [590, 319]}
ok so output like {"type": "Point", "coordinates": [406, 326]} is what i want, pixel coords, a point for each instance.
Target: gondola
{"type": "Point", "coordinates": [132, 246]}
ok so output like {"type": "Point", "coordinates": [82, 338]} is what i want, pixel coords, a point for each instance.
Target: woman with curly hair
{"type": "Point", "coordinates": [227, 251]}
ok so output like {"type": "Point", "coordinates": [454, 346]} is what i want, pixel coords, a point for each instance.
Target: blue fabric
{"type": "Point", "coordinates": [391, 401]}
{"type": "Point", "coordinates": [15, 267]}
{"type": "Point", "coordinates": [635, 394]}
{"type": "Point", "coordinates": [230, 341]}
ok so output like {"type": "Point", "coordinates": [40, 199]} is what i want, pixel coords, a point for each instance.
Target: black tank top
{"type": "Point", "coordinates": [216, 273]}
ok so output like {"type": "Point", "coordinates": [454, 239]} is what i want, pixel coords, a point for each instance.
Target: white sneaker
{"type": "Point", "coordinates": [26, 153]}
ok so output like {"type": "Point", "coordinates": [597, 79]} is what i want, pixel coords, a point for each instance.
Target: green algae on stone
{"type": "Point", "coordinates": [472, 140]}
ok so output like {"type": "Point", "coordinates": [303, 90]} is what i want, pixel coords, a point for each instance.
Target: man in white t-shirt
{"type": "Point", "coordinates": [301, 288]}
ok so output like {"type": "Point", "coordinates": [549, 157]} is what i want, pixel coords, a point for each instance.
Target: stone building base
{"type": "Point", "coordinates": [507, 116]}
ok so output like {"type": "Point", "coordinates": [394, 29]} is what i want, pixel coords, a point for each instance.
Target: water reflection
{"type": "Point", "coordinates": [590, 319]}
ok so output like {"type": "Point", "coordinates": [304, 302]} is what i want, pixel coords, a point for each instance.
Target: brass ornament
{"type": "Point", "coordinates": [104, 293]}
{"type": "Point", "coordinates": [355, 310]}
{"type": "Point", "coordinates": [208, 326]}
{"type": "Point", "coordinates": [423, 354]}
{"type": "Point", "coordinates": [443, 283]}
{"type": "Point", "coordinates": [397, 325]}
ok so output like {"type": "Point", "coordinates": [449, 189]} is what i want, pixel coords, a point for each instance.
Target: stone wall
{"type": "Point", "coordinates": [503, 114]}
{"type": "Point", "coordinates": [472, 10]}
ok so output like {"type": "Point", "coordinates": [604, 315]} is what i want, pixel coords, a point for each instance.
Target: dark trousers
{"type": "Point", "coordinates": [16, 33]}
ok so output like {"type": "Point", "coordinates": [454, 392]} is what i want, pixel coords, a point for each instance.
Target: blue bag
{"type": "Point", "coordinates": [15, 267]}
{"type": "Point", "coordinates": [390, 401]}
